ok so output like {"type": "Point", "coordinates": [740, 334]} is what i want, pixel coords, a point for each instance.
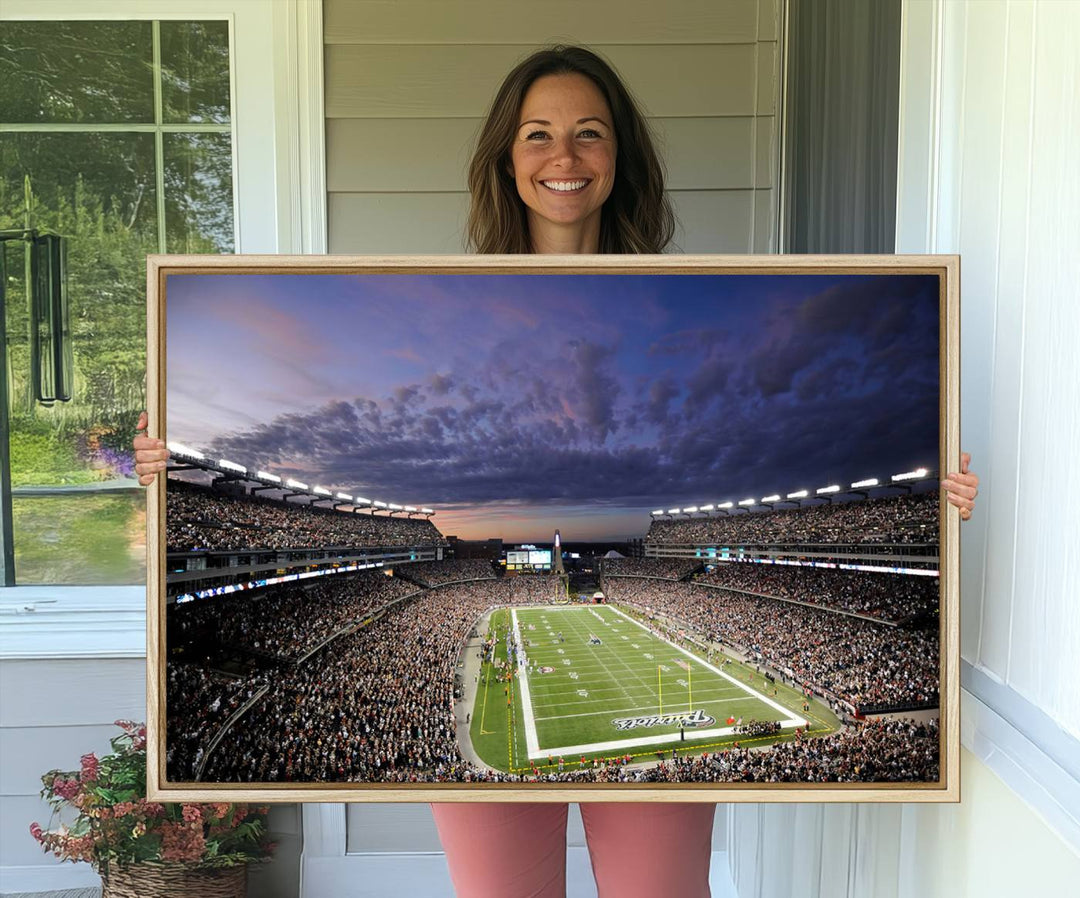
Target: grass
{"type": "Point", "coordinates": [569, 704]}
{"type": "Point", "coordinates": [84, 539]}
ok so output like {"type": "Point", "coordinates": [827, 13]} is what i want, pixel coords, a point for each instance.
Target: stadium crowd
{"type": "Point", "coordinates": [374, 705]}
{"type": "Point", "coordinates": [286, 621]}
{"type": "Point", "coordinates": [890, 597]}
{"type": "Point", "coordinates": [664, 568]}
{"type": "Point", "coordinates": [439, 573]}
{"type": "Point", "coordinates": [867, 666]}
{"type": "Point", "coordinates": [199, 519]}
{"type": "Point", "coordinates": [893, 520]}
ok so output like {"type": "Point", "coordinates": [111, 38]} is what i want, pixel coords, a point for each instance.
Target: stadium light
{"type": "Point", "coordinates": [427, 511]}
{"type": "Point", "coordinates": [725, 505]}
{"type": "Point", "coordinates": [344, 496]}
{"type": "Point", "coordinates": [231, 466]}
{"type": "Point", "coordinates": [379, 504]}
{"type": "Point", "coordinates": [658, 511]}
{"type": "Point", "coordinates": [800, 494]}
{"type": "Point", "coordinates": [775, 498]}
{"type": "Point", "coordinates": [828, 489]}
{"type": "Point", "coordinates": [747, 502]}
{"type": "Point", "coordinates": [911, 475]}
{"type": "Point", "coordinates": [360, 500]}
{"type": "Point", "coordinates": [859, 484]}
{"type": "Point", "coordinates": [410, 508]}
{"type": "Point", "coordinates": [706, 508]}
{"type": "Point", "coordinates": [691, 510]}
{"type": "Point", "coordinates": [673, 511]}
{"type": "Point", "coordinates": [321, 490]}
{"type": "Point", "coordinates": [394, 507]}
{"type": "Point", "coordinates": [295, 485]}
{"type": "Point", "coordinates": [181, 449]}
{"type": "Point", "coordinates": [271, 478]}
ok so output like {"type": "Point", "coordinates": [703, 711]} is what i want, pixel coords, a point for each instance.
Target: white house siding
{"type": "Point", "coordinates": [408, 83]}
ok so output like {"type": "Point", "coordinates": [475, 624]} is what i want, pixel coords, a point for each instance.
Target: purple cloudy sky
{"type": "Point", "coordinates": [515, 404]}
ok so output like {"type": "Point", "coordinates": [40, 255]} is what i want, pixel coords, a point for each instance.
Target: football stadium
{"type": "Point", "coordinates": [314, 644]}
{"type": "Point", "coordinates": [465, 551]}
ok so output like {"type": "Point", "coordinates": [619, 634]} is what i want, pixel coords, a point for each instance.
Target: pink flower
{"type": "Point", "coordinates": [36, 832]}
{"type": "Point", "coordinates": [89, 767]}
{"type": "Point", "coordinates": [192, 814]}
{"type": "Point", "coordinates": [65, 788]}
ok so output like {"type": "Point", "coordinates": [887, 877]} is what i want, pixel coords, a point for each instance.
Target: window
{"type": "Point", "coordinates": [118, 136]}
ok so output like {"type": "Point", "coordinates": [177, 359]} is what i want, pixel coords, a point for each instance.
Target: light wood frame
{"type": "Point", "coordinates": [947, 268]}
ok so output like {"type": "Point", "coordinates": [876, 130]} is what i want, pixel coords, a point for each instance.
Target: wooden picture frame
{"type": "Point", "coordinates": [882, 320]}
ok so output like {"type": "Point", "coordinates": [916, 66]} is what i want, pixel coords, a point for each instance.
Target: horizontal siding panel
{"type": "Point", "coordinates": [28, 752]}
{"type": "Point", "coordinates": [523, 22]}
{"type": "Point", "coordinates": [768, 78]}
{"type": "Point", "coordinates": [432, 154]}
{"type": "Point", "coordinates": [768, 20]}
{"type": "Point", "coordinates": [72, 692]}
{"type": "Point", "coordinates": [368, 223]}
{"type": "Point", "coordinates": [458, 81]}
{"type": "Point", "coordinates": [387, 827]}
{"type": "Point", "coordinates": [765, 152]}
{"type": "Point", "coordinates": [713, 221]}
{"type": "Point", "coordinates": [765, 221]}
{"type": "Point", "coordinates": [17, 846]}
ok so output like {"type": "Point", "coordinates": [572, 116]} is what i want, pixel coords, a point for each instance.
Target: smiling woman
{"type": "Point", "coordinates": [563, 116]}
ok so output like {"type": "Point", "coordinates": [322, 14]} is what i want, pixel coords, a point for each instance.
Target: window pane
{"type": "Point", "coordinates": [195, 71]}
{"type": "Point", "coordinates": [198, 193]}
{"type": "Point", "coordinates": [76, 72]}
{"type": "Point", "coordinates": [84, 539]}
{"type": "Point", "coordinates": [98, 191]}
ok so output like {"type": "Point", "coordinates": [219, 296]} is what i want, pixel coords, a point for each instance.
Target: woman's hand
{"type": "Point", "coordinates": [150, 454]}
{"type": "Point", "coordinates": [962, 488]}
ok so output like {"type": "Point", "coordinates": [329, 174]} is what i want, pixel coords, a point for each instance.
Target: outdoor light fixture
{"type": "Point", "coordinates": [829, 489]}
{"type": "Point", "coordinates": [748, 502]}
{"type": "Point", "coordinates": [322, 491]}
{"type": "Point", "coordinates": [272, 478]}
{"type": "Point", "coordinates": [706, 508]}
{"type": "Point", "coordinates": [873, 481]}
{"type": "Point", "coordinates": [801, 494]}
{"type": "Point", "coordinates": [181, 449]}
{"type": "Point", "coordinates": [427, 511]}
{"type": "Point", "coordinates": [658, 511]}
{"type": "Point", "coordinates": [231, 466]}
{"type": "Point", "coordinates": [725, 505]}
{"type": "Point", "coordinates": [295, 485]}
{"type": "Point", "coordinates": [691, 510]}
{"type": "Point", "coordinates": [344, 496]}
{"type": "Point", "coordinates": [911, 475]}
{"type": "Point", "coordinates": [379, 504]}
{"type": "Point", "coordinates": [360, 500]}
{"type": "Point", "coordinates": [775, 498]}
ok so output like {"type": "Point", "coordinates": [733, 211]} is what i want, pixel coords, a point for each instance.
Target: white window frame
{"type": "Point", "coordinates": [276, 58]}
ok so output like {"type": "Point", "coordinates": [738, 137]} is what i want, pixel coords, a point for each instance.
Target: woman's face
{"type": "Point", "coordinates": [563, 154]}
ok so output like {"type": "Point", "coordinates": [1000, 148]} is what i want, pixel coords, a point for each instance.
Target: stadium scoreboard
{"type": "Point", "coordinates": [528, 558]}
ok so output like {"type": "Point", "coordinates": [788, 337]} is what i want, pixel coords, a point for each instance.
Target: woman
{"type": "Point", "coordinates": [565, 164]}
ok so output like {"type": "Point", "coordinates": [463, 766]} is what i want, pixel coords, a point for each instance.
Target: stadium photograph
{"type": "Point", "coordinates": [537, 530]}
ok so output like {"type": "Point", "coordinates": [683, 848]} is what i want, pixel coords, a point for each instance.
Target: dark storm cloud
{"type": "Point", "coordinates": [815, 382]}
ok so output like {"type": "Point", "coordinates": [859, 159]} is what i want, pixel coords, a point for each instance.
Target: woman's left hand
{"type": "Point", "coordinates": [962, 488]}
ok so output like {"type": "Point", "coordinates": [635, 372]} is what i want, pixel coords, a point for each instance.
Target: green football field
{"type": "Point", "coordinates": [599, 683]}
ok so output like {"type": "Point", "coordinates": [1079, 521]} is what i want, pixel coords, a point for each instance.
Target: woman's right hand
{"type": "Point", "coordinates": [150, 454]}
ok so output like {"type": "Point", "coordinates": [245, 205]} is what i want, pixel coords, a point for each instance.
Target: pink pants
{"type": "Point", "coordinates": [638, 850]}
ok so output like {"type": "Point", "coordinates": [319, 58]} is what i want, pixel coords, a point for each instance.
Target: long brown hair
{"type": "Point", "coordinates": [637, 216]}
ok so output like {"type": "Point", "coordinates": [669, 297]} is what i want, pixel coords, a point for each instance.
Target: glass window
{"type": "Point", "coordinates": [117, 136]}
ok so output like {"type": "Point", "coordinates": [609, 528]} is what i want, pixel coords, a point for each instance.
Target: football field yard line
{"type": "Point", "coordinates": [741, 691]}
{"type": "Point", "coordinates": [714, 701]}
{"type": "Point", "coordinates": [532, 744]}
{"type": "Point", "coordinates": [768, 701]}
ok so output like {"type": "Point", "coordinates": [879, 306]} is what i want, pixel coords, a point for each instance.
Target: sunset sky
{"type": "Point", "coordinates": [517, 404]}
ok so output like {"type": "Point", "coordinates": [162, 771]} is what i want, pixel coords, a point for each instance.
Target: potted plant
{"type": "Point", "coordinates": [141, 847]}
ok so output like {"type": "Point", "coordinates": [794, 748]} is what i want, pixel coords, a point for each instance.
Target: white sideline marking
{"type": "Point", "coordinates": [533, 744]}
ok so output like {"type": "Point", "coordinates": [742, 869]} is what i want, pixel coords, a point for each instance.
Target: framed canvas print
{"type": "Point", "coordinates": [554, 528]}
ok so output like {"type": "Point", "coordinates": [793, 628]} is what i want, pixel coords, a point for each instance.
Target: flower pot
{"type": "Point", "coordinates": [174, 881]}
